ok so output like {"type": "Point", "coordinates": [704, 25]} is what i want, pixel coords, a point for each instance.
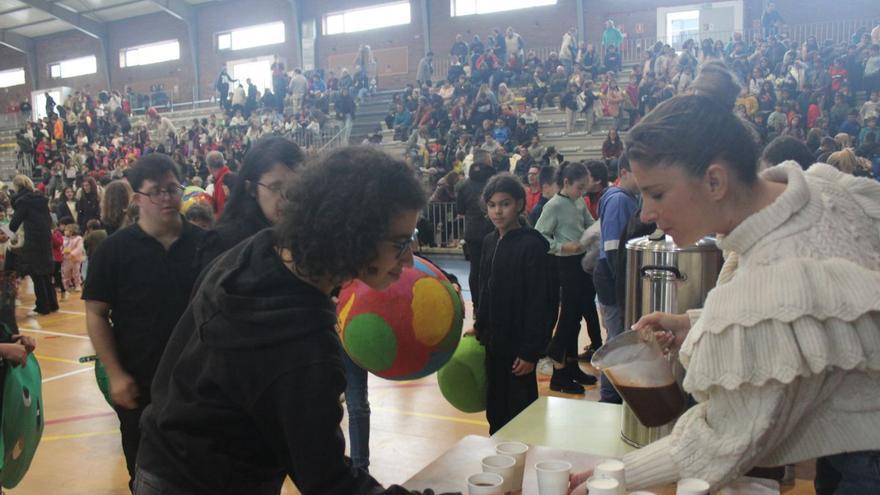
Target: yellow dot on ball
{"type": "Point", "coordinates": [343, 314]}
{"type": "Point", "coordinates": [432, 311]}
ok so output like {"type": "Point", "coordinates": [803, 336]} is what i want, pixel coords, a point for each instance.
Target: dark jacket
{"type": "Point", "coordinates": [248, 389]}
{"type": "Point", "coordinates": [88, 207]}
{"type": "Point", "coordinates": [226, 234]}
{"type": "Point", "coordinates": [469, 204]}
{"type": "Point", "coordinates": [63, 210]}
{"type": "Point", "coordinates": [32, 211]}
{"type": "Point", "coordinates": [518, 293]}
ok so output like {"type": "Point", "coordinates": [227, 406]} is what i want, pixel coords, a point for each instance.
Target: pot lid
{"type": "Point", "coordinates": [661, 243]}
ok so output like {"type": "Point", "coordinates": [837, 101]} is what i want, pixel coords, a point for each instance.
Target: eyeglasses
{"type": "Point", "coordinates": [174, 191]}
{"type": "Point", "coordinates": [275, 188]}
{"type": "Point", "coordinates": [402, 246]}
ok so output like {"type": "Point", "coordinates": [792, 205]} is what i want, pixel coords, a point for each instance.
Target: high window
{"type": "Point", "coordinates": [365, 18]}
{"type": "Point", "coordinates": [153, 53]}
{"type": "Point", "coordinates": [12, 77]}
{"type": "Point", "coordinates": [472, 7]}
{"type": "Point", "coordinates": [252, 36]}
{"type": "Point", "coordinates": [73, 67]}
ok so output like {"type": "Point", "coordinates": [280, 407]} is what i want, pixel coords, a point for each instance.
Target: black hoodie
{"type": "Point", "coordinates": [518, 278]}
{"type": "Point", "coordinates": [248, 389]}
{"type": "Point", "coordinates": [32, 211]}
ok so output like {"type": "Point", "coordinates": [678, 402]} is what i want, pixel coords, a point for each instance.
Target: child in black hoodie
{"type": "Point", "coordinates": [518, 302]}
{"type": "Point", "coordinates": [248, 389]}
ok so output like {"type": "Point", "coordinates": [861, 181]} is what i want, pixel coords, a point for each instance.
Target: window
{"type": "Point", "coordinates": [363, 19]}
{"type": "Point", "coordinates": [250, 37]}
{"type": "Point", "coordinates": [471, 7]}
{"type": "Point", "coordinates": [153, 53]}
{"type": "Point", "coordinates": [258, 70]}
{"type": "Point", "coordinates": [10, 78]}
{"type": "Point", "coordinates": [73, 67]}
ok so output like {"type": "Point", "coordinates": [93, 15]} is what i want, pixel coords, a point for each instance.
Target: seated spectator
{"type": "Point", "coordinates": [557, 85]}
{"type": "Point", "coordinates": [869, 128]}
{"type": "Point", "coordinates": [501, 133]}
{"type": "Point", "coordinates": [523, 133]}
{"type": "Point", "coordinates": [851, 125]}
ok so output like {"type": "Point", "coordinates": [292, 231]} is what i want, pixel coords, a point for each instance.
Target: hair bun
{"type": "Point", "coordinates": [717, 82]}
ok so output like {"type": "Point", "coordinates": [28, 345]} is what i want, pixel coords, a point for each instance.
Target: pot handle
{"type": "Point", "coordinates": [651, 271]}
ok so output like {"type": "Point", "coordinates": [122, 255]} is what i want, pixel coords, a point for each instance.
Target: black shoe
{"type": "Point", "coordinates": [578, 375]}
{"type": "Point", "coordinates": [562, 382]}
{"type": "Point", "coordinates": [587, 355]}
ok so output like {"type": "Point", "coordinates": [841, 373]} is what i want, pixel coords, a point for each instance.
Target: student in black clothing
{"type": "Point", "coordinates": [248, 388]}
{"type": "Point", "coordinates": [138, 284]}
{"type": "Point", "coordinates": [476, 225]}
{"type": "Point", "coordinates": [519, 302]}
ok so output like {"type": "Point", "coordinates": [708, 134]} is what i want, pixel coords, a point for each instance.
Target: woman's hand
{"type": "Point", "coordinates": [668, 329]}
{"type": "Point", "coordinates": [577, 482]}
{"type": "Point", "coordinates": [521, 367]}
{"type": "Point", "coordinates": [15, 353]}
{"type": "Point", "coordinates": [123, 390]}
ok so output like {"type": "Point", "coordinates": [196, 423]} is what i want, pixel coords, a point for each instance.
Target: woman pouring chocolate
{"type": "Point", "coordinates": [784, 357]}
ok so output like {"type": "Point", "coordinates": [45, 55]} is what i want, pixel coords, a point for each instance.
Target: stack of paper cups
{"type": "Point", "coordinates": [518, 451]}
{"type": "Point", "coordinates": [504, 466]}
{"type": "Point", "coordinates": [612, 469]}
{"type": "Point", "coordinates": [603, 486]}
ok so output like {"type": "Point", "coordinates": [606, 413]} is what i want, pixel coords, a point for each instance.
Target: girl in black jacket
{"type": "Point", "coordinates": [247, 391]}
{"type": "Point", "coordinates": [88, 207]}
{"type": "Point", "coordinates": [519, 302]}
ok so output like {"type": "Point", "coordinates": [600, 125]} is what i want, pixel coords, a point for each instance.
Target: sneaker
{"type": "Point", "coordinates": [578, 375]}
{"type": "Point", "coordinates": [562, 382]}
{"type": "Point", "coordinates": [32, 313]}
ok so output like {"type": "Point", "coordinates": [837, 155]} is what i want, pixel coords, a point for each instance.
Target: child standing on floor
{"type": "Point", "coordinates": [71, 267]}
{"type": "Point", "coordinates": [518, 297]}
{"type": "Point", "coordinates": [58, 258]}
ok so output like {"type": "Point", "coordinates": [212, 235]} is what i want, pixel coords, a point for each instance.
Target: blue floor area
{"type": "Point", "coordinates": [456, 265]}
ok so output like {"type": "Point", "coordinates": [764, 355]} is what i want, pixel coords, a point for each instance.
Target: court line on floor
{"type": "Point", "coordinates": [65, 375]}
{"type": "Point", "coordinates": [60, 334]}
{"type": "Point", "coordinates": [73, 436]}
{"type": "Point", "coordinates": [41, 357]}
{"type": "Point", "coordinates": [432, 416]}
{"type": "Point", "coordinates": [81, 417]}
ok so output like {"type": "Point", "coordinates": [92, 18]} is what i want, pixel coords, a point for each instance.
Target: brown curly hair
{"type": "Point", "coordinates": [339, 209]}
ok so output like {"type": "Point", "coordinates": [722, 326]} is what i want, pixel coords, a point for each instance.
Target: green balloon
{"type": "Point", "coordinates": [463, 380]}
{"type": "Point", "coordinates": [103, 381]}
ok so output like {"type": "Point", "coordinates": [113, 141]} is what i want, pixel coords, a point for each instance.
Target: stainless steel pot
{"type": "Point", "coordinates": [661, 276]}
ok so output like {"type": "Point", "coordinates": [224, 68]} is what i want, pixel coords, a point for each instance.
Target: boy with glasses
{"type": "Point", "coordinates": [138, 284]}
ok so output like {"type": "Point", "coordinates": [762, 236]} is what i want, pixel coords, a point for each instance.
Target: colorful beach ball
{"type": "Point", "coordinates": [406, 331]}
{"type": "Point", "coordinates": [193, 195]}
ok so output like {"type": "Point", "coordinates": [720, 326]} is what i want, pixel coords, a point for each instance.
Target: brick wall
{"type": "Point", "coordinates": [12, 59]}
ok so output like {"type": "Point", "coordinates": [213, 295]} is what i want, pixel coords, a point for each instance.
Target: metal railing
{"type": "Point", "coordinates": [12, 120]}
{"type": "Point", "coordinates": [338, 140]}
{"type": "Point", "coordinates": [446, 229]}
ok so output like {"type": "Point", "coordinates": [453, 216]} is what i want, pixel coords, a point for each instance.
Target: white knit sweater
{"type": "Point", "coordinates": [784, 359]}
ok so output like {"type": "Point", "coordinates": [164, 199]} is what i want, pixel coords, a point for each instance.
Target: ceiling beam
{"type": "Point", "coordinates": [177, 8]}
{"type": "Point", "coordinates": [84, 24]}
{"type": "Point", "coordinates": [33, 23]}
{"type": "Point", "coordinates": [16, 9]}
{"type": "Point", "coordinates": [16, 41]}
{"type": "Point", "coordinates": [108, 7]}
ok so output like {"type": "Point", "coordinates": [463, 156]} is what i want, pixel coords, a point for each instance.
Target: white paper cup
{"type": "Point", "coordinates": [553, 477]}
{"type": "Point", "coordinates": [641, 493]}
{"type": "Point", "coordinates": [603, 486]}
{"type": "Point", "coordinates": [518, 451]}
{"type": "Point", "coordinates": [611, 468]}
{"type": "Point", "coordinates": [502, 465]}
{"type": "Point", "coordinates": [692, 486]}
{"type": "Point", "coordinates": [485, 484]}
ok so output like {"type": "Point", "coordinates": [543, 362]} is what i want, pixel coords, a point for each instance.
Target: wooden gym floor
{"type": "Point", "coordinates": [80, 453]}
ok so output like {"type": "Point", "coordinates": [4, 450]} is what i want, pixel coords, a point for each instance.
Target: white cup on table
{"type": "Point", "coordinates": [504, 466]}
{"type": "Point", "coordinates": [613, 469]}
{"type": "Point", "coordinates": [518, 451]}
{"type": "Point", "coordinates": [553, 477]}
{"type": "Point", "coordinates": [603, 486]}
{"type": "Point", "coordinates": [485, 484]}
{"type": "Point", "coordinates": [692, 486]}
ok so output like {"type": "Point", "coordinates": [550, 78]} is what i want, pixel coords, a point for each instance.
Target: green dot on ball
{"type": "Point", "coordinates": [370, 342]}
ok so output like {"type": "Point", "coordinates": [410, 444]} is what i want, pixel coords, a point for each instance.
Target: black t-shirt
{"type": "Point", "coordinates": [147, 288]}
